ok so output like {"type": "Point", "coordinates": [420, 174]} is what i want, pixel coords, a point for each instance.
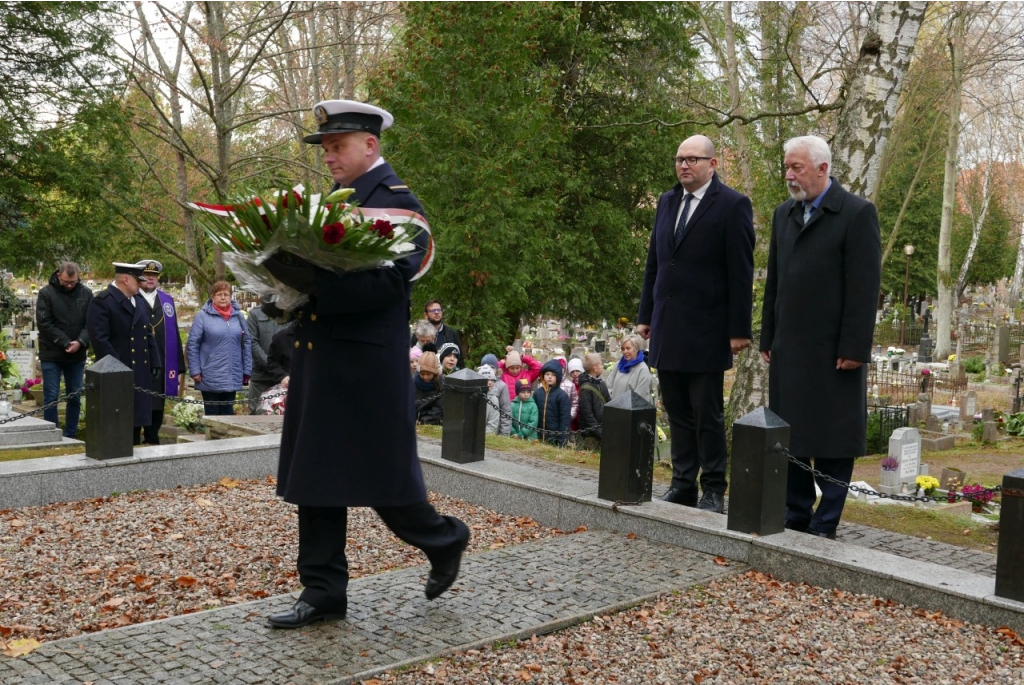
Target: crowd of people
{"type": "Point", "coordinates": [560, 402]}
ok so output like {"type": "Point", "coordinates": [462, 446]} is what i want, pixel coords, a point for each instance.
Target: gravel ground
{"type": "Point", "coordinates": [108, 562]}
{"type": "Point", "coordinates": [746, 629]}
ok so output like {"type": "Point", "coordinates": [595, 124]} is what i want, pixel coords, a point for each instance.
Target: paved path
{"type": "Point", "coordinates": [864, 536]}
{"type": "Point", "coordinates": [502, 594]}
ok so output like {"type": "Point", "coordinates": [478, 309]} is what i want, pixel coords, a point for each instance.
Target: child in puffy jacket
{"type": "Point", "coordinates": [524, 412]}
{"type": "Point", "coordinates": [515, 367]}
{"type": "Point", "coordinates": [553, 406]}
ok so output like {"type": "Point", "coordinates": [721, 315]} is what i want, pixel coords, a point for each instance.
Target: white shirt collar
{"type": "Point", "coordinates": [380, 160]}
{"type": "Point", "coordinates": [150, 297]}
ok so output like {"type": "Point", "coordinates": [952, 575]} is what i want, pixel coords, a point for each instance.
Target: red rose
{"type": "Point", "coordinates": [383, 228]}
{"type": "Point", "coordinates": [334, 233]}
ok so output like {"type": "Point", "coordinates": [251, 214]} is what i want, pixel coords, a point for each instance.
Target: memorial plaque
{"type": "Point", "coordinates": [25, 361]}
{"type": "Point", "coordinates": [905, 448]}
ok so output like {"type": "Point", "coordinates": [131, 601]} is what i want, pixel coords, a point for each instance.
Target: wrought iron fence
{"type": "Point", "coordinates": [882, 421]}
{"type": "Point", "coordinates": [895, 388]}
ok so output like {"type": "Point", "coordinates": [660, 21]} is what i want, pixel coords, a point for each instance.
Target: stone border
{"type": "Point", "coordinates": [552, 499]}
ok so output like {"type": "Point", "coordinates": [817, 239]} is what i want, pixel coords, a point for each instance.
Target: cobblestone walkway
{"type": "Point", "coordinates": [502, 594]}
{"type": "Point", "coordinates": [882, 540]}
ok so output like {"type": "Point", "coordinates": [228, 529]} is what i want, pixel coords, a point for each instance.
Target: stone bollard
{"type": "Point", "coordinates": [629, 435]}
{"type": "Point", "coordinates": [757, 479]}
{"type": "Point", "coordinates": [110, 408]}
{"type": "Point", "coordinates": [1010, 553]}
{"type": "Point", "coordinates": [465, 417]}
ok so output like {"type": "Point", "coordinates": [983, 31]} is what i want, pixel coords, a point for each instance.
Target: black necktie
{"type": "Point", "coordinates": [681, 226]}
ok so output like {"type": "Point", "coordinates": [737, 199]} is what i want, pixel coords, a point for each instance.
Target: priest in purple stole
{"type": "Point", "coordinates": [164, 319]}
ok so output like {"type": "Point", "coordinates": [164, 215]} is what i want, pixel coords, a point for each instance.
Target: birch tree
{"type": "Point", "coordinates": [873, 94]}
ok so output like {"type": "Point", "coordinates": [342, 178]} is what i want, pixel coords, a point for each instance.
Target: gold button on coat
{"type": "Point", "coordinates": [309, 345]}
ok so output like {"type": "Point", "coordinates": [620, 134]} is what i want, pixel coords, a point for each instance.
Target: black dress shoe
{"type": "Point", "coordinates": [711, 501]}
{"type": "Point", "coordinates": [677, 496]}
{"type": "Point", "coordinates": [302, 614]}
{"type": "Point", "coordinates": [819, 534]}
{"type": "Point", "coordinates": [442, 576]}
{"type": "Point", "coordinates": [798, 527]}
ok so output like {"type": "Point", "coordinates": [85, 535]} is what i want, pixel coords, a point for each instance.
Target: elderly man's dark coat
{"type": "Point", "coordinates": [349, 436]}
{"type": "Point", "coordinates": [117, 328]}
{"type": "Point", "coordinates": [697, 295]}
{"type": "Point", "coordinates": [820, 300]}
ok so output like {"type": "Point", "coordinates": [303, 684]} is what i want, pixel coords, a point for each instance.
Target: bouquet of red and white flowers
{"type": "Point", "coordinates": [326, 232]}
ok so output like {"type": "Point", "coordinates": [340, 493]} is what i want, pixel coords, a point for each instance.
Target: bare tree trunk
{"type": "Point", "coordinates": [873, 94]}
{"type": "Point", "coordinates": [978, 220]}
{"type": "Point", "coordinates": [1018, 270]}
{"type": "Point", "coordinates": [944, 285]}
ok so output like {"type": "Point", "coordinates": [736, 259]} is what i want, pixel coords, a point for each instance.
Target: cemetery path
{"type": "Point", "coordinates": [960, 558]}
{"type": "Point", "coordinates": [502, 594]}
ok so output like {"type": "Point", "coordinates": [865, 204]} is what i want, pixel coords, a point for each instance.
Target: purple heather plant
{"type": "Point", "coordinates": [889, 464]}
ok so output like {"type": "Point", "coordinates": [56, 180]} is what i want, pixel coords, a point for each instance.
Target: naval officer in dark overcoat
{"type": "Point", "coordinates": [118, 325]}
{"type": "Point", "coordinates": [349, 436]}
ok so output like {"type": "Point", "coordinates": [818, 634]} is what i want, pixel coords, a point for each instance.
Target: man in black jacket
{"type": "Point", "coordinates": [63, 341]}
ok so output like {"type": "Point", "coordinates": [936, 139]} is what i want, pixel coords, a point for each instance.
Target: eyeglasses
{"type": "Point", "coordinates": [690, 161]}
{"type": "Point", "coordinates": [67, 284]}
{"type": "Point", "coordinates": [435, 310]}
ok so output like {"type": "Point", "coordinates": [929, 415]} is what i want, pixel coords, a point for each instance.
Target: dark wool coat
{"type": "Point", "coordinates": [593, 396]}
{"type": "Point", "coordinates": [698, 295]}
{"type": "Point", "coordinates": [820, 300]}
{"type": "Point", "coordinates": [118, 329]}
{"type": "Point", "coordinates": [349, 437]}
{"type": "Point", "coordinates": [553, 407]}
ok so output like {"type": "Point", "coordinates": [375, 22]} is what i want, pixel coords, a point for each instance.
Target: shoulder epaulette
{"type": "Point", "coordinates": [102, 293]}
{"type": "Point", "coordinates": [402, 187]}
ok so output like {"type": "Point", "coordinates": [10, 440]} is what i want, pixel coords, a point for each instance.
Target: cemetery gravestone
{"type": "Point", "coordinates": [23, 360]}
{"type": "Point", "coordinates": [968, 406]}
{"type": "Point", "coordinates": [905, 448]}
{"type": "Point", "coordinates": [931, 424]}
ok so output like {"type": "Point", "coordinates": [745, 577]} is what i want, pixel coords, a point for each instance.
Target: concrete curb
{"type": "Point", "coordinates": [551, 498]}
{"type": "Point", "coordinates": [564, 503]}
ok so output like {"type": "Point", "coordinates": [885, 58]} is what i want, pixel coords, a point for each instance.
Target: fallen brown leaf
{"type": "Point", "coordinates": [721, 561]}
{"type": "Point", "coordinates": [16, 648]}
{"type": "Point", "coordinates": [229, 482]}
{"type": "Point", "coordinates": [185, 581]}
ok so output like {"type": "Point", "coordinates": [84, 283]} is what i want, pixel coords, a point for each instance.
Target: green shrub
{"type": "Point", "coordinates": [974, 365]}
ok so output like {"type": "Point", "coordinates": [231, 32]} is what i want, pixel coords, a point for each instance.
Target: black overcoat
{"type": "Point", "coordinates": [119, 329]}
{"type": "Point", "coordinates": [820, 300]}
{"type": "Point", "coordinates": [698, 295]}
{"type": "Point", "coordinates": [349, 436]}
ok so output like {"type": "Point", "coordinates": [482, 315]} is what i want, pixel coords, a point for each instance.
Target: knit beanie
{"type": "Point", "coordinates": [489, 360]}
{"type": "Point", "coordinates": [486, 371]}
{"type": "Point", "coordinates": [428, 362]}
{"type": "Point", "coordinates": [446, 349]}
{"type": "Point", "coordinates": [523, 384]}
{"type": "Point", "coordinates": [415, 353]}
{"type": "Point", "coordinates": [575, 365]}
{"type": "Point", "coordinates": [513, 359]}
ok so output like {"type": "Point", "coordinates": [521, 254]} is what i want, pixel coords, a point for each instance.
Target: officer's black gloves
{"type": "Point", "coordinates": [293, 271]}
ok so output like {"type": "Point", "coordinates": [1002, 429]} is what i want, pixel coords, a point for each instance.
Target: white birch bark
{"type": "Point", "coordinates": [873, 94]}
{"type": "Point", "coordinates": [977, 221]}
{"type": "Point", "coordinates": [944, 276]}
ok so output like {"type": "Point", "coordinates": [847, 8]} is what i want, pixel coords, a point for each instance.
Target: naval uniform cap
{"type": "Point", "coordinates": [125, 268]}
{"type": "Point", "coordinates": [346, 116]}
{"type": "Point", "coordinates": [150, 266]}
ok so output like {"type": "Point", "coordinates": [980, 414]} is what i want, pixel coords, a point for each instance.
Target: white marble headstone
{"type": "Point", "coordinates": [905, 448]}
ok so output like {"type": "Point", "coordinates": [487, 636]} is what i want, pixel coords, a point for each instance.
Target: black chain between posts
{"type": "Point", "coordinates": [48, 405]}
{"type": "Point", "coordinates": [219, 403]}
{"type": "Point", "coordinates": [956, 497]}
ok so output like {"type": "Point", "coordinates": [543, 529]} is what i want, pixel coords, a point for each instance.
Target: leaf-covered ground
{"type": "Point", "coordinates": [108, 562]}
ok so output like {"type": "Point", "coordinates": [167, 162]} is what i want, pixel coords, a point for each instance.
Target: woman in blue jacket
{"type": "Point", "coordinates": [219, 350]}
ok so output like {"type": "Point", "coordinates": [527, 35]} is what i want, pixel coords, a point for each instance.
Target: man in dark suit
{"type": "Point", "coordinates": [118, 325]}
{"type": "Point", "coordinates": [163, 317]}
{"type": "Point", "coordinates": [818, 320]}
{"type": "Point", "coordinates": [351, 342]}
{"type": "Point", "coordinates": [695, 310]}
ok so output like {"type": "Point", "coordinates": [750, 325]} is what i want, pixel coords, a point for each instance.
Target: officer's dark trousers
{"type": "Point", "coordinates": [693, 402]}
{"type": "Point", "coordinates": [800, 495]}
{"type": "Point", "coordinates": [323, 568]}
